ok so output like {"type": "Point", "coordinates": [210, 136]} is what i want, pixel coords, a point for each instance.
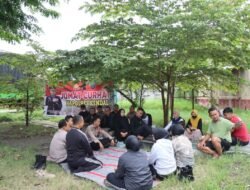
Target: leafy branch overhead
{"type": "Point", "coordinates": [17, 20]}
{"type": "Point", "coordinates": [190, 44]}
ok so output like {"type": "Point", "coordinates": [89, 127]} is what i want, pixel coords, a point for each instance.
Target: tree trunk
{"type": "Point", "coordinates": [193, 98]}
{"type": "Point", "coordinates": [163, 100]}
{"type": "Point", "coordinates": [168, 100]}
{"type": "Point", "coordinates": [27, 119]}
{"type": "Point", "coordinates": [141, 95]}
{"type": "Point", "coordinates": [172, 98]}
{"type": "Point", "coordinates": [127, 97]}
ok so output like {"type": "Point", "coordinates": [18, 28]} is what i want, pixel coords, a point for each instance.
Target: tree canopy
{"type": "Point", "coordinates": [17, 21]}
{"type": "Point", "coordinates": [190, 44]}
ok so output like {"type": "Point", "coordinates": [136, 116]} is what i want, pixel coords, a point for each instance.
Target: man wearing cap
{"type": "Point", "coordinates": [133, 171]}
{"type": "Point", "coordinates": [184, 153]}
{"type": "Point", "coordinates": [162, 159]}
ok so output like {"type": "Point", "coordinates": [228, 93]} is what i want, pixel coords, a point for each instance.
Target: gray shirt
{"type": "Point", "coordinates": [183, 150]}
{"type": "Point", "coordinates": [57, 149]}
{"type": "Point", "coordinates": [133, 167]}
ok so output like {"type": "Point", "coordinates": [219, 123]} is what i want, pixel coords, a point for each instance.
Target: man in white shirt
{"type": "Point", "coordinates": [57, 149]}
{"type": "Point", "coordinates": [162, 159]}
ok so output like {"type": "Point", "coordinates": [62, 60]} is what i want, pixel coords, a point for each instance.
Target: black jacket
{"type": "Point", "coordinates": [122, 125]}
{"type": "Point", "coordinates": [85, 115]}
{"type": "Point", "coordinates": [78, 148]}
{"type": "Point", "coordinates": [106, 122]}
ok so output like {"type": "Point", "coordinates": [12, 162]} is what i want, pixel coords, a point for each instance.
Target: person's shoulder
{"type": "Point", "coordinates": [89, 127]}
{"type": "Point", "coordinates": [224, 120]}
{"type": "Point", "coordinates": [235, 119]}
{"type": "Point", "coordinates": [142, 153]}
{"type": "Point", "coordinates": [163, 140]}
{"type": "Point", "coordinates": [124, 156]}
{"type": "Point", "coordinates": [72, 132]}
{"type": "Point", "coordinates": [181, 119]}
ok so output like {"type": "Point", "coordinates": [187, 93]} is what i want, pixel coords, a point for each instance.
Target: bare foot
{"type": "Point", "coordinates": [216, 156]}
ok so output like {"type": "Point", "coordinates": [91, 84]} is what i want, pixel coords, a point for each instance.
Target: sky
{"type": "Point", "coordinates": [57, 33]}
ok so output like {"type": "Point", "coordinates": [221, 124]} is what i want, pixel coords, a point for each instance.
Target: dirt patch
{"type": "Point", "coordinates": [39, 143]}
{"type": "Point", "coordinates": [36, 136]}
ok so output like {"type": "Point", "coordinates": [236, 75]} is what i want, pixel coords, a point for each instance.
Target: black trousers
{"type": "Point", "coordinates": [119, 137]}
{"type": "Point", "coordinates": [236, 141]}
{"type": "Point", "coordinates": [118, 182]}
{"type": "Point", "coordinates": [185, 173]}
{"type": "Point", "coordinates": [105, 141]}
{"type": "Point", "coordinates": [156, 175]}
{"type": "Point", "coordinates": [225, 145]}
{"type": "Point", "coordinates": [143, 131]}
{"type": "Point", "coordinates": [82, 166]}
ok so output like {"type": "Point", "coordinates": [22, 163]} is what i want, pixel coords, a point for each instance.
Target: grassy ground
{"type": "Point", "coordinates": [230, 172]}
{"type": "Point", "coordinates": [185, 107]}
{"type": "Point", "coordinates": [18, 145]}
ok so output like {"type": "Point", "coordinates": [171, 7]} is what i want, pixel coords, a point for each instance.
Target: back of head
{"type": "Point", "coordinates": [177, 130]}
{"type": "Point", "coordinates": [62, 123]}
{"type": "Point", "coordinates": [77, 119]}
{"type": "Point", "coordinates": [132, 143]}
{"type": "Point", "coordinates": [83, 107]}
{"type": "Point", "coordinates": [227, 110]}
{"type": "Point", "coordinates": [161, 134]}
{"type": "Point", "coordinates": [68, 117]}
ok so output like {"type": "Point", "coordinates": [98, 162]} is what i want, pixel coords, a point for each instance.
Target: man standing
{"type": "Point", "coordinates": [218, 138]}
{"type": "Point", "coordinates": [240, 133]}
{"type": "Point", "coordinates": [57, 149]}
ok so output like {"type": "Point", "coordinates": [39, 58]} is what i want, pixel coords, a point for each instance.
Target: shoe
{"type": "Point", "coordinates": [44, 174]}
{"type": "Point", "coordinates": [40, 162]}
{"type": "Point", "coordinates": [108, 184]}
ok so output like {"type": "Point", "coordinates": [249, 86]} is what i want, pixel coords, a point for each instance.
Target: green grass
{"type": "Point", "coordinates": [230, 172]}
{"type": "Point", "coordinates": [16, 173]}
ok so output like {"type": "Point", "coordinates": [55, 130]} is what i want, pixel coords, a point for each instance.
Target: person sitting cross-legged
{"type": "Point", "coordinates": [122, 128]}
{"type": "Point", "coordinates": [162, 159]}
{"type": "Point", "coordinates": [218, 138]}
{"type": "Point", "coordinates": [98, 137]}
{"type": "Point", "coordinates": [133, 171]}
{"type": "Point", "coordinates": [194, 127]}
{"type": "Point", "coordinates": [240, 133]}
{"type": "Point", "coordinates": [176, 119]}
{"type": "Point", "coordinates": [138, 127]}
{"type": "Point", "coordinates": [184, 153]}
{"type": "Point", "coordinates": [78, 148]}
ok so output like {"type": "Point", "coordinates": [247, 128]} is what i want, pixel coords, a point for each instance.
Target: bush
{"type": "Point", "coordinates": [5, 118]}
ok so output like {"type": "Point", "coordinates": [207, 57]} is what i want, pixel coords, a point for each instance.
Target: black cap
{"type": "Point", "coordinates": [132, 143]}
{"type": "Point", "coordinates": [177, 130]}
